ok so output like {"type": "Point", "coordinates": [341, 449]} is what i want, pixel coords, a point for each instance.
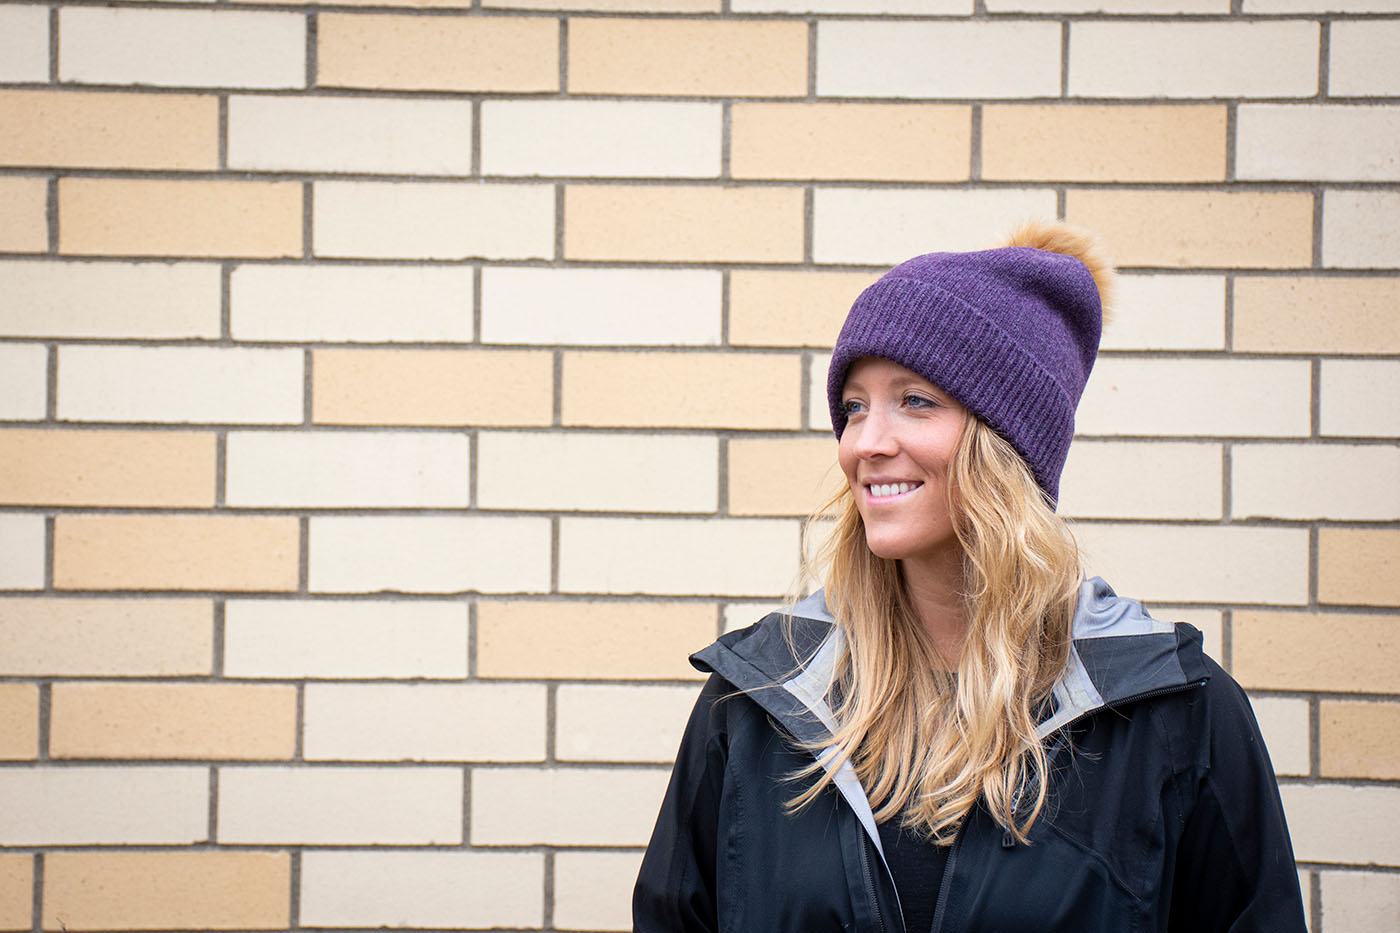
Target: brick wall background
{"type": "Point", "coordinates": [393, 395]}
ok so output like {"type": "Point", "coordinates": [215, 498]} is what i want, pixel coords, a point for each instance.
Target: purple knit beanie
{"type": "Point", "coordinates": [1011, 333]}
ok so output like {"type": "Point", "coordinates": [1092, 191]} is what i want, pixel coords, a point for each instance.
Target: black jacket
{"type": "Point", "coordinates": [1163, 812]}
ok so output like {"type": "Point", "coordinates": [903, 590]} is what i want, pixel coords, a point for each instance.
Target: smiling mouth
{"type": "Point", "coordinates": [891, 490]}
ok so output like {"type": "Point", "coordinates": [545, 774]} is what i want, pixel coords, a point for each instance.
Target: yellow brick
{"type": "Point", "coordinates": [94, 130]}
{"type": "Point", "coordinates": [106, 637]}
{"type": "Point", "coordinates": [167, 890]}
{"type": "Point", "coordinates": [1287, 315]}
{"type": "Point", "coordinates": [682, 223]}
{"type": "Point", "coordinates": [1358, 567]}
{"type": "Point", "coordinates": [687, 57]}
{"type": "Point", "coordinates": [1281, 651]}
{"type": "Point", "coordinates": [791, 309]}
{"type": "Point", "coordinates": [479, 53]}
{"type": "Point", "coordinates": [433, 387]}
{"type": "Point", "coordinates": [1358, 739]}
{"type": "Point", "coordinates": [1198, 228]}
{"type": "Point", "coordinates": [16, 891]}
{"type": "Point", "coordinates": [1103, 143]}
{"type": "Point", "coordinates": [219, 721]}
{"type": "Point", "coordinates": [917, 142]}
{"type": "Point", "coordinates": [19, 732]}
{"type": "Point", "coordinates": [113, 468]}
{"type": "Point", "coordinates": [175, 552]}
{"type": "Point", "coordinates": [782, 476]}
{"type": "Point", "coordinates": [23, 215]}
{"type": "Point", "coordinates": [145, 217]}
{"type": "Point", "coordinates": [683, 390]}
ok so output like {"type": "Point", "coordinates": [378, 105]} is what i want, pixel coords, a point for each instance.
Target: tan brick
{"type": "Point", "coordinates": [1282, 314]}
{"type": "Point", "coordinates": [592, 640]}
{"type": "Point", "coordinates": [24, 53]}
{"type": "Point", "coordinates": [175, 552]}
{"type": "Point", "coordinates": [593, 890]}
{"type": "Point", "coordinates": [612, 723]}
{"type": "Point", "coordinates": [1210, 622]}
{"type": "Point", "coordinates": [918, 142]}
{"type": "Point", "coordinates": [1279, 651]}
{"type": "Point", "coordinates": [1358, 566]}
{"type": "Point", "coordinates": [1108, 6]}
{"type": "Point", "coordinates": [19, 730]}
{"type": "Point", "coordinates": [1330, 142]}
{"type": "Point", "coordinates": [91, 130]}
{"type": "Point", "coordinates": [16, 880]}
{"type": "Point", "coordinates": [82, 806]}
{"type": "Point", "coordinates": [782, 476]}
{"type": "Point", "coordinates": [611, 6]}
{"type": "Point", "coordinates": [148, 217]}
{"type": "Point", "coordinates": [106, 637]}
{"type": "Point", "coordinates": [112, 468]}
{"type": "Point", "coordinates": [220, 721]}
{"type": "Point", "coordinates": [1341, 482]}
{"type": "Point", "coordinates": [683, 224]}
{"type": "Point", "coordinates": [1124, 479]}
{"type": "Point", "coordinates": [1363, 55]}
{"type": "Point", "coordinates": [1360, 901]}
{"type": "Point", "coordinates": [1283, 722]}
{"type": "Point", "coordinates": [166, 890]}
{"type": "Point", "coordinates": [790, 309]}
{"type": "Point", "coordinates": [1103, 143]}
{"type": "Point", "coordinates": [24, 382]}
{"type": "Point", "coordinates": [685, 390]}
{"type": "Point", "coordinates": [22, 551]}
{"type": "Point", "coordinates": [1361, 229]}
{"type": "Point", "coordinates": [109, 299]}
{"type": "Point", "coordinates": [1358, 739]}
{"type": "Point", "coordinates": [1349, 392]}
{"type": "Point", "coordinates": [479, 53]}
{"type": "Point", "coordinates": [23, 215]}
{"type": "Point", "coordinates": [574, 806]}
{"type": "Point", "coordinates": [1198, 228]}
{"type": "Point", "coordinates": [818, 408]}
{"type": "Point", "coordinates": [687, 57]}
{"type": "Point", "coordinates": [1339, 823]}
{"type": "Point", "coordinates": [881, 7]}
{"type": "Point", "coordinates": [1167, 312]}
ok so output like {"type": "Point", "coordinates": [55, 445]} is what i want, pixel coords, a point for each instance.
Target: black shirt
{"type": "Point", "coordinates": [917, 865]}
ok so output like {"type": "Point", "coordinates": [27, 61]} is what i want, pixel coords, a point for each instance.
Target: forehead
{"type": "Point", "coordinates": [870, 372]}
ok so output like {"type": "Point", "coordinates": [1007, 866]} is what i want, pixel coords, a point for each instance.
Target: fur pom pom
{"type": "Point", "coordinates": [1071, 241]}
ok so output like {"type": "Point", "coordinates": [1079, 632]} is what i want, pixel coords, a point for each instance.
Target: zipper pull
{"type": "Point", "coordinates": [1008, 841]}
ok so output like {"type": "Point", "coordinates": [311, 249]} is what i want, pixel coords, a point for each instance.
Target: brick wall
{"type": "Point", "coordinates": [392, 398]}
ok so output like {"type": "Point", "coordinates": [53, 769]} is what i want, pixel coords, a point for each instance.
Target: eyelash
{"type": "Point", "coordinates": [850, 406]}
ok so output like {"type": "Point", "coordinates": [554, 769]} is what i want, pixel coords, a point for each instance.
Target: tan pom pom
{"type": "Point", "coordinates": [1070, 241]}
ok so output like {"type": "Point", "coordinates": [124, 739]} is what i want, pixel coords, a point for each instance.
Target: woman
{"type": "Point", "coordinates": [960, 733]}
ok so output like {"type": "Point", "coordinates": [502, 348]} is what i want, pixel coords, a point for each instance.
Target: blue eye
{"type": "Point", "coordinates": [919, 401]}
{"type": "Point", "coordinates": [852, 407]}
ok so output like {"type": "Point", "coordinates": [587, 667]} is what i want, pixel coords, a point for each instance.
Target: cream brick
{"type": "Point", "coordinates": [1359, 566]}
{"type": "Point", "coordinates": [454, 890]}
{"type": "Point", "coordinates": [791, 309]}
{"type": "Point", "coordinates": [194, 48]}
{"type": "Point", "coordinates": [1317, 6]}
{"type": "Point", "coordinates": [109, 299]}
{"type": "Point", "coordinates": [1167, 312]}
{"type": "Point", "coordinates": [1199, 563]}
{"type": "Point", "coordinates": [601, 307]}
{"type": "Point", "coordinates": [1361, 229]}
{"type": "Point", "coordinates": [1278, 651]}
{"type": "Point", "coordinates": [1108, 6]}
{"type": "Point", "coordinates": [24, 47]}
{"type": "Point", "coordinates": [369, 304]}
{"type": "Point", "coordinates": [99, 130]}
{"type": "Point", "coordinates": [647, 223]}
{"type": "Point", "coordinates": [885, 226]}
{"type": "Point", "coordinates": [24, 381]}
{"type": "Point", "coordinates": [1358, 739]}
{"type": "Point", "coordinates": [677, 557]}
{"type": "Point", "coordinates": [428, 220]}
{"type": "Point", "coordinates": [1283, 721]}
{"type": "Point", "coordinates": [1350, 390]}
{"type": "Point", "coordinates": [1363, 56]}
{"type": "Point", "coordinates": [601, 138]}
{"type": "Point", "coordinates": [592, 640]}
{"type": "Point", "coordinates": [1210, 622]}
{"type": "Point", "coordinates": [1185, 59]}
{"type": "Point", "coordinates": [179, 384]}
{"type": "Point", "coordinates": [1359, 901]}
{"type": "Point", "coordinates": [891, 59]}
{"type": "Point", "coordinates": [79, 806]}
{"type": "Point", "coordinates": [113, 468]}
{"type": "Point", "coordinates": [23, 215]}
{"type": "Point", "coordinates": [336, 639]}
{"type": "Point", "coordinates": [340, 806]}
{"type": "Point", "coordinates": [21, 552]}
{"type": "Point", "coordinates": [1317, 142]}
{"type": "Point", "coordinates": [166, 890]}
{"type": "Point", "coordinates": [818, 408]}
{"type": "Point", "coordinates": [425, 722]}
{"type": "Point", "coordinates": [565, 806]}
{"type": "Point", "coordinates": [430, 554]}
{"type": "Point", "coordinates": [333, 469]}
{"type": "Point", "coordinates": [593, 890]}
{"type": "Point", "coordinates": [105, 637]}
{"type": "Point", "coordinates": [1340, 482]}
{"type": "Point", "coordinates": [19, 729]}
{"type": "Point", "coordinates": [607, 723]}
{"type": "Point", "coordinates": [1116, 479]}
{"type": "Point", "coordinates": [782, 476]}
{"type": "Point", "coordinates": [1282, 314]}
{"type": "Point", "coordinates": [1338, 823]}
{"type": "Point", "coordinates": [16, 885]}
{"type": "Point", "coordinates": [620, 6]}
{"type": "Point", "coordinates": [597, 472]}
{"type": "Point", "coordinates": [350, 134]}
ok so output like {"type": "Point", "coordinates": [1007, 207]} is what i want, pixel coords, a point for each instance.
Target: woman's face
{"type": "Point", "coordinates": [899, 440]}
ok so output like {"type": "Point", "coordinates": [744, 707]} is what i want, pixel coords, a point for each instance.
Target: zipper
{"type": "Point", "coordinates": [945, 887]}
{"type": "Point", "coordinates": [870, 881]}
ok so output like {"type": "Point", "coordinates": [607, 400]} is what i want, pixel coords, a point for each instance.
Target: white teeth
{"type": "Point", "coordinates": [903, 487]}
{"type": "Point", "coordinates": [881, 490]}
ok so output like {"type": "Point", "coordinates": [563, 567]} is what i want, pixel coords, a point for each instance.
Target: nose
{"type": "Point", "coordinates": [875, 435]}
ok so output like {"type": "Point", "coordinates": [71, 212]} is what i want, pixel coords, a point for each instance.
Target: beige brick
{"type": "Point", "coordinates": [602, 138]}
{"type": "Point", "coordinates": [611, 6]}
{"type": "Point", "coordinates": [455, 890]}
{"type": "Point", "coordinates": [1341, 482]}
{"type": "Point", "coordinates": [1198, 228]}
{"type": "Point", "coordinates": [81, 806]}
{"type": "Point", "coordinates": [175, 552]}
{"type": "Point", "coordinates": [1361, 229]}
{"type": "Point", "coordinates": [314, 639]}
{"type": "Point", "coordinates": [105, 637]}
{"type": "Point", "coordinates": [111, 468]}
{"type": "Point", "coordinates": [1199, 563]}
{"type": "Point", "coordinates": [1117, 479]}
{"type": "Point", "coordinates": [166, 890]}
{"type": "Point", "coordinates": [818, 409]}
{"type": "Point", "coordinates": [791, 309]}
{"type": "Point", "coordinates": [687, 57]}
{"type": "Point", "coordinates": [24, 382]}
{"type": "Point", "coordinates": [340, 806]}
{"type": "Point", "coordinates": [425, 722]}
{"type": "Point", "coordinates": [1350, 389]}
{"type": "Point", "coordinates": [369, 304]}
{"type": "Point", "coordinates": [359, 469]}
{"type": "Point", "coordinates": [486, 53]}
{"type": "Point", "coordinates": [565, 806]}
{"type": "Point", "coordinates": [881, 7]}
{"type": "Point", "coordinates": [145, 720]}
{"type": "Point", "coordinates": [1359, 566]}
{"type": "Point", "coordinates": [150, 217]}
{"type": "Point", "coordinates": [1279, 651]}
{"type": "Point", "coordinates": [109, 299]}
{"type": "Point", "coordinates": [891, 59]}
{"type": "Point", "coordinates": [23, 215]}
{"type": "Point", "coordinates": [1322, 142]}
{"type": "Point", "coordinates": [608, 307]}
{"type": "Point", "coordinates": [1103, 143]}
{"type": "Point", "coordinates": [19, 733]}
{"type": "Point", "coordinates": [22, 552]}
{"type": "Point", "coordinates": [1363, 56]}
{"type": "Point", "coordinates": [884, 226]}
{"type": "Point", "coordinates": [1283, 721]}
{"type": "Point", "coordinates": [96, 130]}
{"type": "Point", "coordinates": [1359, 901]}
{"type": "Point", "coordinates": [350, 134]}
{"type": "Point", "coordinates": [1318, 6]}
{"type": "Point", "coordinates": [742, 615]}
{"type": "Point", "coordinates": [1186, 59]}
{"type": "Point", "coordinates": [24, 53]}
{"type": "Point", "coordinates": [192, 48]}
{"type": "Point", "coordinates": [180, 384]}
{"type": "Point", "coordinates": [1108, 6]}
{"type": "Point", "coordinates": [1167, 312]}
{"type": "Point", "coordinates": [593, 890]}
{"type": "Point", "coordinates": [591, 640]}
{"type": "Point", "coordinates": [433, 220]}
{"type": "Point", "coordinates": [430, 554]}
{"type": "Point", "coordinates": [782, 476]}
{"type": "Point", "coordinates": [683, 224]}
{"type": "Point", "coordinates": [918, 142]}
{"type": "Point", "coordinates": [1282, 315]}
{"type": "Point", "coordinates": [16, 870]}
{"type": "Point", "coordinates": [432, 387]}
{"type": "Point", "coordinates": [611, 723]}
{"type": "Point", "coordinates": [1358, 739]}
{"type": "Point", "coordinates": [1210, 622]}
{"type": "Point", "coordinates": [1338, 823]}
